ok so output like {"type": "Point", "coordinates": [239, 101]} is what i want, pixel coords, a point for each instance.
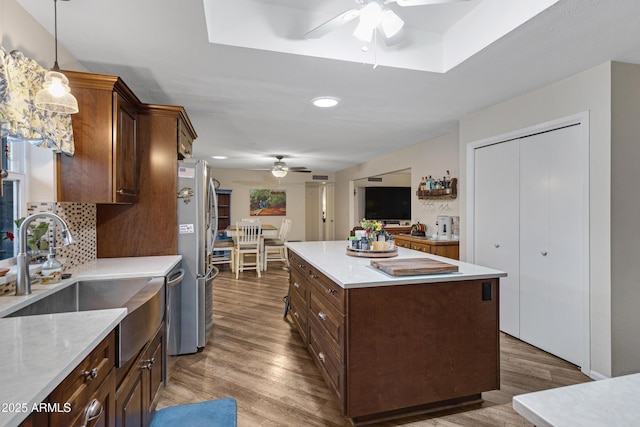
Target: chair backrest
{"type": "Point", "coordinates": [248, 233]}
{"type": "Point", "coordinates": [284, 229]}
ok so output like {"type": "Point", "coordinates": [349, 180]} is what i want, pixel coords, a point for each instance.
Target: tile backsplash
{"type": "Point", "coordinates": [81, 218]}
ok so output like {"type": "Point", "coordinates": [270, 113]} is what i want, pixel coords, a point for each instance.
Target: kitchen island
{"type": "Point", "coordinates": [391, 346]}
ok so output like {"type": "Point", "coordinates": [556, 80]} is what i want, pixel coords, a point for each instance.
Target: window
{"type": "Point", "coordinates": [13, 155]}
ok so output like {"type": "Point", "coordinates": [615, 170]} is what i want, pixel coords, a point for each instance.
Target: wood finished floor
{"type": "Point", "coordinates": [258, 358]}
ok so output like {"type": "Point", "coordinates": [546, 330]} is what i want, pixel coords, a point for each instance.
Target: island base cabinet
{"type": "Point", "coordinates": [139, 390]}
{"type": "Point", "coordinates": [414, 345]}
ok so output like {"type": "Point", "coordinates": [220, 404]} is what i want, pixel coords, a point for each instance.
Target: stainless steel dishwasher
{"type": "Point", "coordinates": [172, 317]}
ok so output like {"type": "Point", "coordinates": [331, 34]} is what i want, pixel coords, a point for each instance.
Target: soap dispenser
{"type": "Point", "coordinates": [51, 268]}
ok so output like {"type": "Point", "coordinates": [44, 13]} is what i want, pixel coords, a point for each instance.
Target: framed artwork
{"type": "Point", "coordinates": [267, 202]}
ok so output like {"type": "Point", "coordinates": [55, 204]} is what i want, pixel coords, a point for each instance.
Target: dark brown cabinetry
{"type": "Point", "coordinates": [149, 227]}
{"type": "Point", "coordinates": [388, 350]}
{"type": "Point", "coordinates": [104, 166]}
{"type": "Point", "coordinates": [224, 209]}
{"type": "Point", "coordinates": [93, 380]}
{"type": "Point", "coordinates": [139, 390]}
{"type": "Point", "coordinates": [185, 141]}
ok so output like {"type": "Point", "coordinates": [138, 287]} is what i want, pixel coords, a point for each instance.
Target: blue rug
{"type": "Point", "coordinates": [213, 413]}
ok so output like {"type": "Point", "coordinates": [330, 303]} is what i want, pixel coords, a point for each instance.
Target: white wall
{"type": "Point", "coordinates": [19, 31]}
{"type": "Point", "coordinates": [241, 181]}
{"type": "Point", "coordinates": [433, 157]}
{"type": "Point", "coordinates": [625, 211]}
{"type": "Point", "coordinates": [588, 91]}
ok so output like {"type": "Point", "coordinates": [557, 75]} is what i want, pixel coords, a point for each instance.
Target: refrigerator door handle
{"type": "Point", "coordinates": [209, 276]}
{"type": "Point", "coordinates": [213, 216]}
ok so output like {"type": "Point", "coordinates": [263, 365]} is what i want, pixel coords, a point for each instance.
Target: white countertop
{"type": "Point", "coordinates": [355, 272]}
{"type": "Point", "coordinates": [610, 402]}
{"type": "Point", "coordinates": [37, 352]}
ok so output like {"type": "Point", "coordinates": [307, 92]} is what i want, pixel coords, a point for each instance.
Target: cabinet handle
{"type": "Point", "coordinates": [321, 357]}
{"type": "Point", "coordinates": [496, 245]}
{"type": "Point", "coordinates": [302, 266]}
{"type": "Point", "coordinates": [90, 375]}
{"type": "Point", "coordinates": [297, 316]}
{"type": "Point", "coordinates": [543, 253]}
{"type": "Point", "coordinates": [93, 410]}
{"type": "Point", "coordinates": [313, 276]}
{"type": "Point", "coordinates": [322, 316]}
{"type": "Point", "coordinates": [296, 285]}
{"type": "Point", "coordinates": [331, 291]}
{"type": "Point", "coordinates": [148, 363]}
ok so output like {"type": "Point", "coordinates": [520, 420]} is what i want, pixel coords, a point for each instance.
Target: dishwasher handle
{"type": "Point", "coordinates": [177, 278]}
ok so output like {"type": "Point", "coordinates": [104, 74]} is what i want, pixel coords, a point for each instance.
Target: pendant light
{"type": "Point", "coordinates": [55, 96]}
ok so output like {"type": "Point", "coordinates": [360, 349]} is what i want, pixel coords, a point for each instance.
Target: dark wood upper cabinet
{"type": "Point", "coordinates": [104, 168]}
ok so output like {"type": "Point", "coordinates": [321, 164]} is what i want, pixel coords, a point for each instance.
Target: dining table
{"type": "Point", "coordinates": [268, 230]}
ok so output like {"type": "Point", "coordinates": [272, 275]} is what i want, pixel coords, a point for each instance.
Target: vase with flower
{"type": "Point", "coordinates": [371, 228]}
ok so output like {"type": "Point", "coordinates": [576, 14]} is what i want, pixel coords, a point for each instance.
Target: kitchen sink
{"type": "Point", "coordinates": [142, 297]}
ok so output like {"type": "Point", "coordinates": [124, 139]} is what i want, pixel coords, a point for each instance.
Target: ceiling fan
{"type": "Point", "coordinates": [373, 14]}
{"type": "Point", "coordinates": [280, 168]}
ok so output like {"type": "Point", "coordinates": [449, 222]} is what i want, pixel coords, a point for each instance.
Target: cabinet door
{"type": "Point", "coordinates": [153, 363]}
{"type": "Point", "coordinates": [130, 399]}
{"type": "Point", "coordinates": [125, 144]}
{"type": "Point", "coordinates": [496, 228]}
{"type": "Point", "coordinates": [552, 240]}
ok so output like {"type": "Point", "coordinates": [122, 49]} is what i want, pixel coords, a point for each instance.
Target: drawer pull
{"type": "Point", "coordinates": [331, 291]}
{"type": "Point", "coordinates": [321, 357]}
{"type": "Point", "coordinates": [90, 375]}
{"type": "Point", "coordinates": [313, 276]}
{"type": "Point", "coordinates": [302, 266]}
{"type": "Point", "coordinates": [322, 316]}
{"type": "Point", "coordinates": [296, 285]}
{"type": "Point", "coordinates": [148, 363]}
{"type": "Point", "coordinates": [93, 410]}
{"type": "Point", "coordinates": [297, 316]}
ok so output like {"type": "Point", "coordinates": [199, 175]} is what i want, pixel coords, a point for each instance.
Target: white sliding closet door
{"type": "Point", "coordinates": [496, 229]}
{"type": "Point", "coordinates": [552, 240]}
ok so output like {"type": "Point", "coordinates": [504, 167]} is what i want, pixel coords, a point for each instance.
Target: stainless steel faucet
{"type": "Point", "coordinates": [23, 279]}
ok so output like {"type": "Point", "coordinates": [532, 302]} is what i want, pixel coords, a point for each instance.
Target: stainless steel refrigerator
{"type": "Point", "coordinates": [197, 228]}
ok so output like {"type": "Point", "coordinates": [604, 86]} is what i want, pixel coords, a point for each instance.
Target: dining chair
{"type": "Point", "coordinates": [247, 242]}
{"type": "Point", "coordinates": [276, 249]}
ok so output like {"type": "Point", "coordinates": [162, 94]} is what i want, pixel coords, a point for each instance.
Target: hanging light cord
{"type": "Point", "coordinates": [55, 32]}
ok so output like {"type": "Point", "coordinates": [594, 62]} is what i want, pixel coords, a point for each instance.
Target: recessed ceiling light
{"type": "Point", "coordinates": [325, 101]}
{"type": "Point", "coordinates": [219, 157]}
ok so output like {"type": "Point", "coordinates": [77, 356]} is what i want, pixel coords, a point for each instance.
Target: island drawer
{"type": "Point", "coordinates": [297, 263]}
{"type": "Point", "coordinates": [83, 382]}
{"type": "Point", "coordinates": [298, 284]}
{"type": "Point", "coordinates": [328, 321]}
{"type": "Point", "coordinates": [327, 287]}
{"type": "Point", "coordinates": [298, 310]}
{"type": "Point", "coordinates": [332, 370]}
{"type": "Point", "coordinates": [402, 243]}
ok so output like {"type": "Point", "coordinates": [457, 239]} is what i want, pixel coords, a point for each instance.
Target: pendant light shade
{"type": "Point", "coordinates": [279, 173]}
{"type": "Point", "coordinates": [55, 95]}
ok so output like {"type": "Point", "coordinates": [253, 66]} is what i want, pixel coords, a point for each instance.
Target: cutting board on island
{"type": "Point", "coordinates": [413, 266]}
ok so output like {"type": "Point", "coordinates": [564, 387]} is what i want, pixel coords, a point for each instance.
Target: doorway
{"type": "Point", "coordinates": [319, 211]}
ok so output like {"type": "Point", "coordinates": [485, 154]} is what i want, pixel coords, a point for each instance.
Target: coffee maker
{"type": "Point", "coordinates": [444, 225]}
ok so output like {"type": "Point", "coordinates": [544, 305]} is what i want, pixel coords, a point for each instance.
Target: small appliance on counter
{"type": "Point", "coordinates": [444, 226]}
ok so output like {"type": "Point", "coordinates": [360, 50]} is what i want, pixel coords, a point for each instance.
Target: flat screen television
{"type": "Point", "coordinates": [387, 203]}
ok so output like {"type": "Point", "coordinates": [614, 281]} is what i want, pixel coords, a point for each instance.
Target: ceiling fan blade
{"type": "Point", "coordinates": [299, 170]}
{"type": "Point", "coordinates": [405, 3]}
{"type": "Point", "coordinates": [324, 29]}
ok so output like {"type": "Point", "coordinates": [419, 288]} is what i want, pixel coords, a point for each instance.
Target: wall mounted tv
{"type": "Point", "coordinates": [387, 203]}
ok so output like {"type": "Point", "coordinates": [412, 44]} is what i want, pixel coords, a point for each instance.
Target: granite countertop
{"type": "Point", "coordinates": [610, 402]}
{"type": "Point", "coordinates": [38, 352]}
{"type": "Point", "coordinates": [355, 272]}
